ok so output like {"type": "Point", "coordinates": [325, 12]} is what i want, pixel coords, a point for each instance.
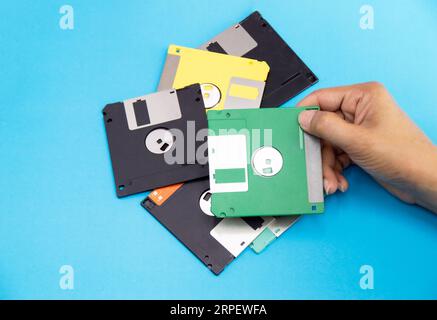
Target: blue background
{"type": "Point", "coordinates": [57, 200]}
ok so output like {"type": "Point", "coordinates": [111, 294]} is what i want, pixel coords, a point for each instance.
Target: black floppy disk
{"type": "Point", "coordinates": [254, 38]}
{"type": "Point", "coordinates": [154, 139]}
{"type": "Point", "coordinates": [184, 209]}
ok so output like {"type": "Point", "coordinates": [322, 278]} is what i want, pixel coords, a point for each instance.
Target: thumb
{"type": "Point", "coordinates": [330, 127]}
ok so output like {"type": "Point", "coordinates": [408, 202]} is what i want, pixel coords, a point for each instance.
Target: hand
{"type": "Point", "coordinates": [362, 124]}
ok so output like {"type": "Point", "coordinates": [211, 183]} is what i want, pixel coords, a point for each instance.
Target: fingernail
{"type": "Point", "coordinates": [326, 187]}
{"type": "Point", "coordinates": [305, 118]}
{"type": "Point", "coordinates": [341, 188]}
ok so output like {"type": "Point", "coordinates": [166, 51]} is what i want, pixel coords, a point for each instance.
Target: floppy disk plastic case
{"type": "Point", "coordinates": [262, 163]}
{"type": "Point", "coordinates": [227, 82]}
{"type": "Point", "coordinates": [255, 38]}
{"type": "Point", "coordinates": [184, 209]}
{"type": "Point", "coordinates": [149, 139]}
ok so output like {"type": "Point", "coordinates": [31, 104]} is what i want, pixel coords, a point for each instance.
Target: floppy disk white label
{"type": "Point", "coordinates": [228, 163]}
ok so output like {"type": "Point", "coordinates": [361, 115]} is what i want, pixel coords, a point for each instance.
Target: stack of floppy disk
{"type": "Point", "coordinates": [226, 168]}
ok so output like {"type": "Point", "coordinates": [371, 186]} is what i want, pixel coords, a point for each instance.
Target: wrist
{"type": "Point", "coordinates": [423, 179]}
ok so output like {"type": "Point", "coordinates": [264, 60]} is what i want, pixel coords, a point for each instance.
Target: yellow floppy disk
{"type": "Point", "coordinates": [227, 82]}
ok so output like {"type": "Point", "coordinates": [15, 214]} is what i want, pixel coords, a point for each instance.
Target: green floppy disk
{"type": "Point", "coordinates": [261, 163]}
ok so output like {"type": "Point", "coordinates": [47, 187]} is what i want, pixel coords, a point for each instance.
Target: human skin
{"type": "Point", "coordinates": [362, 124]}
